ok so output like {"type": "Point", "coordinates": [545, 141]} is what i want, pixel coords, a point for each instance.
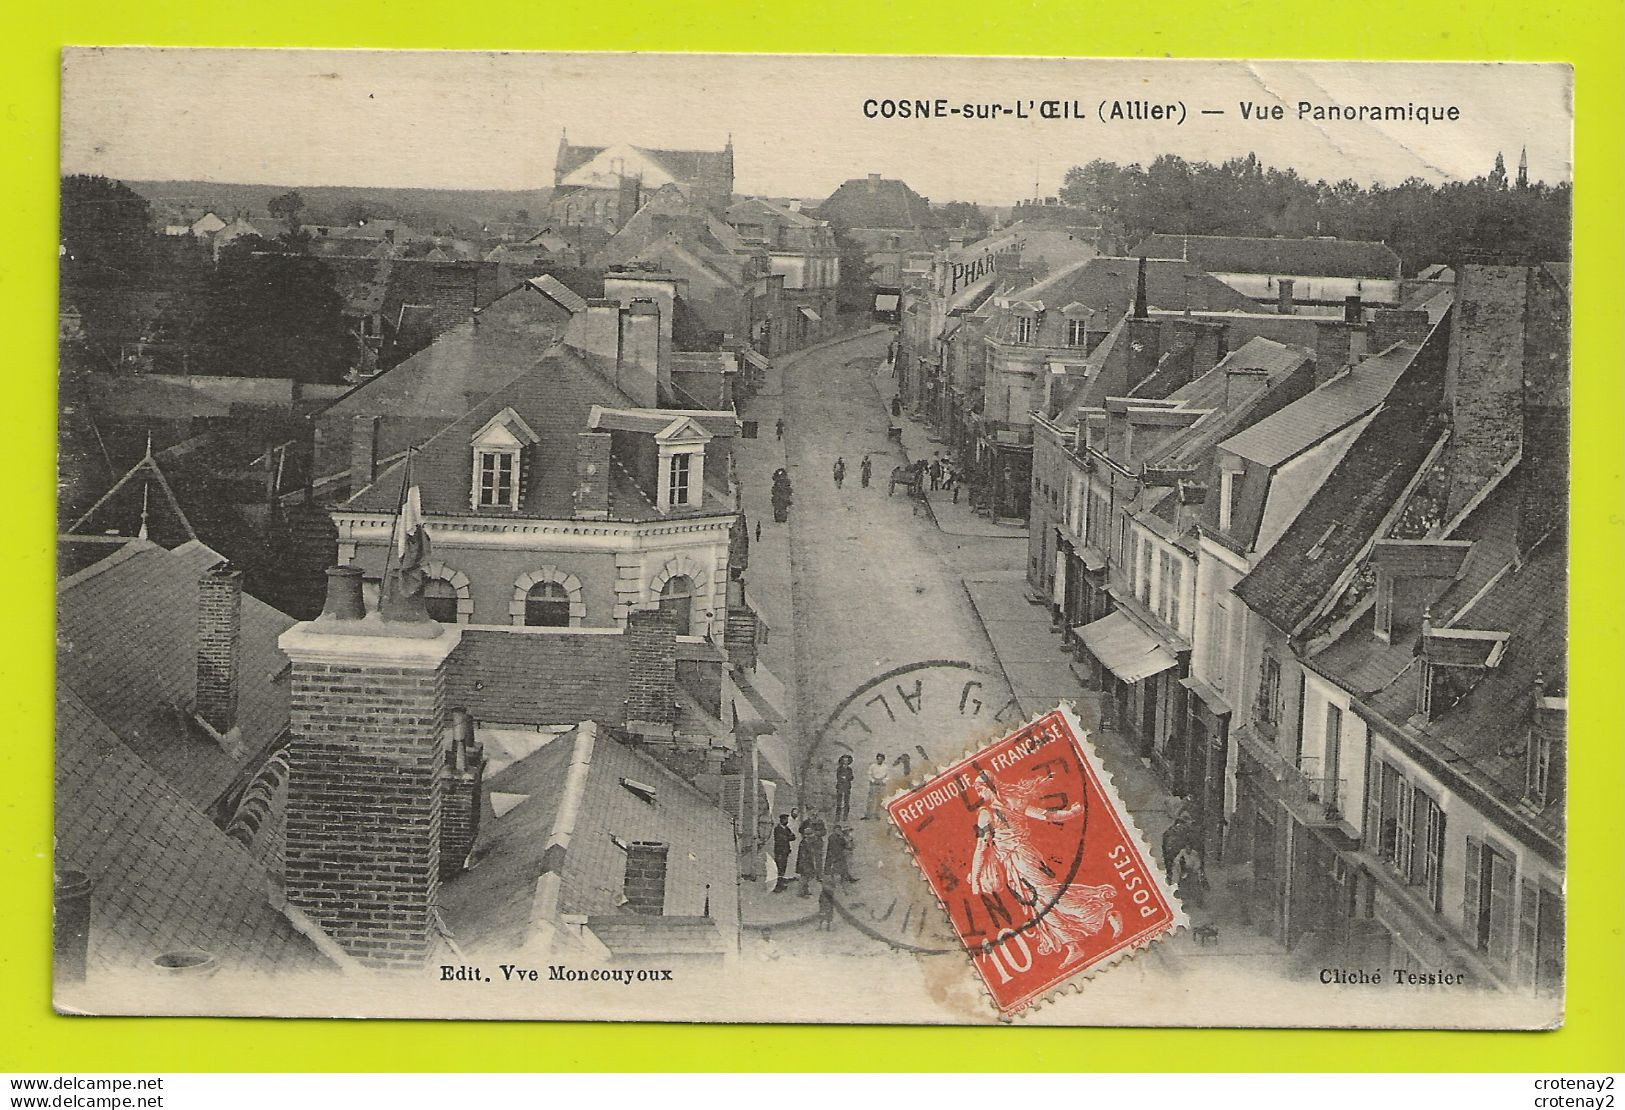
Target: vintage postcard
{"type": "Point", "coordinates": [736, 538]}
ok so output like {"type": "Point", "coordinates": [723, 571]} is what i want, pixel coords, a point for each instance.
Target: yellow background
{"type": "Point", "coordinates": [1588, 34]}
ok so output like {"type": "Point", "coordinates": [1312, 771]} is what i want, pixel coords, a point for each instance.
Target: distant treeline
{"type": "Point", "coordinates": [1424, 223]}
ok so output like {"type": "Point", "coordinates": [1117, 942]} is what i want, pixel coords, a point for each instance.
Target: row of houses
{"type": "Point", "coordinates": [1320, 587]}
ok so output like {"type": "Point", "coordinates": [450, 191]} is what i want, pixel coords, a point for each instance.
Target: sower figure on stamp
{"type": "Point", "coordinates": [1006, 863]}
{"type": "Point", "coordinates": [843, 788]}
{"type": "Point", "coordinates": [810, 857]}
{"type": "Point", "coordinates": [783, 837]}
{"type": "Point", "coordinates": [877, 786]}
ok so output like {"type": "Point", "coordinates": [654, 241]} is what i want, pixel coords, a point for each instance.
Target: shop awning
{"type": "Point", "coordinates": [773, 759]}
{"type": "Point", "coordinates": [1124, 648]}
{"type": "Point", "coordinates": [757, 360]}
{"type": "Point", "coordinates": [810, 314]}
{"type": "Point", "coordinates": [886, 302]}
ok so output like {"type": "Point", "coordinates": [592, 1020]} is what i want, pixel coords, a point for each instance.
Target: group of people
{"type": "Point", "coordinates": [944, 475]}
{"type": "Point", "coordinates": [822, 854]}
{"type": "Point", "coordinates": [866, 471]}
{"type": "Point", "coordinates": [883, 778]}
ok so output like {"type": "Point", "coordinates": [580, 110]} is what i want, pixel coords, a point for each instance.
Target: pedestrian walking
{"type": "Point", "coordinates": [877, 787]}
{"type": "Point", "coordinates": [1190, 880]}
{"type": "Point", "coordinates": [840, 472]}
{"type": "Point", "coordinates": [953, 481]}
{"type": "Point", "coordinates": [897, 405]}
{"type": "Point", "coordinates": [778, 427]}
{"type": "Point", "coordinates": [843, 788]}
{"type": "Point", "coordinates": [935, 471]}
{"type": "Point", "coordinates": [826, 908]}
{"type": "Point", "coordinates": [810, 856]}
{"type": "Point", "coordinates": [783, 837]}
{"type": "Point", "coordinates": [866, 470]}
{"type": "Point", "coordinates": [838, 856]}
{"type": "Point", "coordinates": [758, 529]}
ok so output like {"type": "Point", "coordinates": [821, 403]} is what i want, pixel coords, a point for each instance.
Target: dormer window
{"type": "Point", "coordinates": [1026, 327]}
{"type": "Point", "coordinates": [681, 474]}
{"type": "Point", "coordinates": [1077, 332]}
{"type": "Point", "coordinates": [498, 464]}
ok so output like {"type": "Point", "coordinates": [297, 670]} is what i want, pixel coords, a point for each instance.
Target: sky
{"type": "Point", "coordinates": [798, 122]}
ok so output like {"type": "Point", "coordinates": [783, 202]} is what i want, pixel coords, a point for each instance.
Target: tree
{"type": "Point", "coordinates": [961, 214]}
{"type": "Point", "coordinates": [274, 311]}
{"type": "Point", "coordinates": [286, 206]}
{"type": "Point", "coordinates": [107, 240]}
{"type": "Point", "coordinates": [1498, 174]}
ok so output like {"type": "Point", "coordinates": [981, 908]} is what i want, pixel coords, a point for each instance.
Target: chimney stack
{"type": "Point", "coordinates": [1395, 325]}
{"type": "Point", "coordinates": [638, 371]}
{"type": "Point", "coordinates": [1353, 313]}
{"type": "Point", "coordinates": [219, 636]}
{"type": "Point", "coordinates": [1332, 349]}
{"type": "Point", "coordinates": [1142, 306]}
{"type": "Point", "coordinates": [592, 475]}
{"type": "Point", "coordinates": [646, 877]}
{"type": "Point", "coordinates": [1283, 296]}
{"type": "Point", "coordinates": [596, 330]}
{"type": "Point", "coordinates": [460, 806]}
{"type": "Point", "coordinates": [651, 699]}
{"type": "Point", "coordinates": [366, 785]}
{"type": "Point", "coordinates": [874, 182]}
{"type": "Point", "coordinates": [363, 452]}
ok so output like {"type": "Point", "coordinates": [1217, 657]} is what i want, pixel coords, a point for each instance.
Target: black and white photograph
{"type": "Point", "coordinates": [528, 523]}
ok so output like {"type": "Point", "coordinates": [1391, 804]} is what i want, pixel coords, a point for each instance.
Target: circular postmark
{"type": "Point", "coordinates": [899, 729]}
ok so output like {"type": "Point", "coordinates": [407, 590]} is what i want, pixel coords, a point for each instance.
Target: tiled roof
{"type": "Point", "coordinates": [489, 906]}
{"type": "Point", "coordinates": [1295, 577]}
{"type": "Point", "coordinates": [1320, 257]}
{"type": "Point", "coordinates": [164, 877]}
{"type": "Point", "coordinates": [464, 364]}
{"type": "Point", "coordinates": [886, 203]}
{"type": "Point", "coordinates": [127, 647]}
{"type": "Point", "coordinates": [1334, 405]}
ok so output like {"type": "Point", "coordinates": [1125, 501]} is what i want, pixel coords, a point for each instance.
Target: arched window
{"type": "Point", "coordinates": [547, 605]}
{"type": "Point", "coordinates": [677, 596]}
{"type": "Point", "coordinates": [440, 599]}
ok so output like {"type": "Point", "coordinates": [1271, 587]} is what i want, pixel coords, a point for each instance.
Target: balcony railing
{"type": "Point", "coordinates": [1326, 795]}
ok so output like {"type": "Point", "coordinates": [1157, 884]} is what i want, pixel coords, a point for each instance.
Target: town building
{"type": "Point", "coordinates": [804, 253]}
{"type": "Point", "coordinates": [605, 186]}
{"type": "Point", "coordinates": [1049, 339]}
{"type": "Point", "coordinates": [1317, 272]}
{"type": "Point", "coordinates": [1397, 692]}
{"type": "Point", "coordinates": [889, 222]}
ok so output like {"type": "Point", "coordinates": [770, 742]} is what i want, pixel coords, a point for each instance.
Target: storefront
{"type": "Point", "coordinates": [1134, 669]}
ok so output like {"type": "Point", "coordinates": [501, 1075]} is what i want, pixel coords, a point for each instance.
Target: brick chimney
{"type": "Point", "coordinates": [639, 371]}
{"type": "Point", "coordinates": [1283, 296]}
{"type": "Point", "coordinates": [363, 452]}
{"type": "Point", "coordinates": [1397, 325]}
{"type": "Point", "coordinates": [366, 780]}
{"type": "Point", "coordinates": [592, 475]}
{"type": "Point", "coordinates": [460, 802]}
{"type": "Point", "coordinates": [646, 877]}
{"type": "Point", "coordinates": [874, 182]}
{"type": "Point", "coordinates": [1332, 350]}
{"type": "Point", "coordinates": [651, 665]}
{"type": "Point", "coordinates": [1484, 376]}
{"type": "Point", "coordinates": [219, 638]}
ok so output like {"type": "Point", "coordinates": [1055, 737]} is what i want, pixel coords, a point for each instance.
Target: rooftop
{"type": "Point", "coordinates": [1315, 257]}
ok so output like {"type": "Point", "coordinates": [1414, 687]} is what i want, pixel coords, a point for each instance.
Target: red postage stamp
{"type": "Point", "coordinates": [1031, 853]}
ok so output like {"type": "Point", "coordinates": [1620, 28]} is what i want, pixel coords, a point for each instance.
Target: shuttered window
{"type": "Point", "coordinates": [1488, 904]}
{"type": "Point", "coordinates": [1428, 869]}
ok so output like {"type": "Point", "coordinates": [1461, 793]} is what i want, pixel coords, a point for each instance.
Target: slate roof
{"type": "Point", "coordinates": [886, 203]}
{"type": "Point", "coordinates": [555, 398]}
{"type": "Point", "coordinates": [127, 648]}
{"type": "Point", "coordinates": [684, 165]}
{"type": "Point", "coordinates": [1334, 405]}
{"type": "Point", "coordinates": [493, 673]}
{"type": "Point", "coordinates": [1107, 285]}
{"type": "Point", "coordinates": [1276, 361]}
{"type": "Point", "coordinates": [1317, 257]}
{"type": "Point", "coordinates": [1480, 739]}
{"type": "Point", "coordinates": [464, 364]}
{"type": "Point", "coordinates": [164, 877]}
{"type": "Point", "coordinates": [1297, 574]}
{"type": "Point", "coordinates": [489, 906]}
